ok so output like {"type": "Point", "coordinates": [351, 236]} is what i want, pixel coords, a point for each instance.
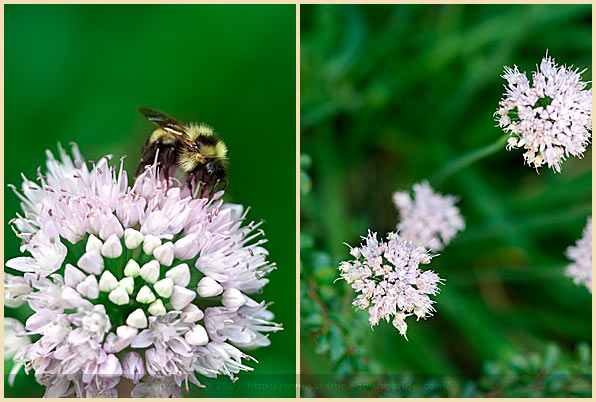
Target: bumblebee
{"type": "Point", "coordinates": [195, 149]}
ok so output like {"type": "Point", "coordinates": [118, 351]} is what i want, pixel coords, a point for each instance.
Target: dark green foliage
{"type": "Point", "coordinates": [390, 94]}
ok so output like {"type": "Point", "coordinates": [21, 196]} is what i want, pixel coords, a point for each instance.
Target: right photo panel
{"type": "Point", "coordinates": [446, 200]}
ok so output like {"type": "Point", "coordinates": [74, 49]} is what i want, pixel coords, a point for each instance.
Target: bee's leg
{"type": "Point", "coordinates": [203, 186]}
{"type": "Point", "coordinates": [166, 175]}
{"type": "Point", "coordinates": [225, 184]}
{"type": "Point", "coordinates": [191, 182]}
{"type": "Point", "coordinates": [213, 190]}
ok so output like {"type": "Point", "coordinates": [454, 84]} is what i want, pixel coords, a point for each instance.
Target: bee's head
{"type": "Point", "coordinates": [215, 168]}
{"type": "Point", "coordinates": [211, 167]}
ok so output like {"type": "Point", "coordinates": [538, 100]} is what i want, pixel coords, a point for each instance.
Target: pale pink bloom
{"type": "Point", "coordinates": [133, 367]}
{"type": "Point", "coordinates": [551, 117]}
{"type": "Point", "coordinates": [581, 255]}
{"type": "Point", "coordinates": [80, 228]}
{"type": "Point", "coordinates": [15, 338]}
{"type": "Point", "coordinates": [390, 282]}
{"type": "Point", "coordinates": [244, 327]}
{"type": "Point", "coordinates": [217, 358]}
{"type": "Point", "coordinates": [14, 288]}
{"type": "Point", "coordinates": [428, 218]}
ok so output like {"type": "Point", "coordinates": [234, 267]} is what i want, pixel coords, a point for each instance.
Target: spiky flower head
{"type": "Point", "coordinates": [428, 219]}
{"type": "Point", "coordinates": [551, 117]}
{"type": "Point", "coordinates": [146, 283]}
{"type": "Point", "coordinates": [580, 270]}
{"type": "Point", "coordinates": [387, 275]}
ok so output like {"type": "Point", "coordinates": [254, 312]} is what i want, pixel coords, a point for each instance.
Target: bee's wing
{"type": "Point", "coordinates": [166, 122]}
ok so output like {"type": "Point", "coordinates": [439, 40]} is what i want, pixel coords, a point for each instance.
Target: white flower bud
{"type": "Point", "coordinates": [72, 299]}
{"type": "Point", "coordinates": [150, 243]}
{"type": "Point", "coordinates": [93, 242]}
{"type": "Point", "coordinates": [132, 269]}
{"type": "Point", "coordinates": [73, 276]}
{"type": "Point", "coordinates": [355, 251]}
{"type": "Point", "coordinates": [132, 238]}
{"type": "Point", "coordinates": [164, 287]}
{"type": "Point", "coordinates": [145, 295]}
{"type": "Point", "coordinates": [187, 248]}
{"type": "Point", "coordinates": [150, 271]}
{"type": "Point", "coordinates": [113, 344]}
{"type": "Point", "coordinates": [192, 314]}
{"type": "Point", "coordinates": [91, 262]}
{"type": "Point", "coordinates": [157, 308]}
{"type": "Point", "coordinates": [209, 287]}
{"type": "Point", "coordinates": [107, 282]}
{"type": "Point", "coordinates": [137, 319]}
{"type": "Point", "coordinates": [180, 274]}
{"type": "Point", "coordinates": [400, 324]}
{"type": "Point", "coordinates": [89, 287]}
{"type": "Point", "coordinates": [233, 298]}
{"type": "Point", "coordinates": [110, 226]}
{"type": "Point", "coordinates": [128, 283]}
{"type": "Point", "coordinates": [126, 332]}
{"type": "Point", "coordinates": [181, 297]}
{"type": "Point", "coordinates": [119, 296]}
{"type": "Point", "coordinates": [112, 248]}
{"type": "Point", "coordinates": [196, 336]}
{"type": "Point", "coordinates": [165, 254]}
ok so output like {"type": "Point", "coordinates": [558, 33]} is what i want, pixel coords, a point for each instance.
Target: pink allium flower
{"type": "Point", "coordinates": [551, 118]}
{"type": "Point", "coordinates": [15, 338]}
{"type": "Point", "coordinates": [581, 255]}
{"type": "Point", "coordinates": [118, 277]}
{"type": "Point", "coordinates": [388, 276]}
{"type": "Point", "coordinates": [429, 219]}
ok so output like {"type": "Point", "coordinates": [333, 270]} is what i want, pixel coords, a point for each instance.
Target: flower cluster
{"type": "Point", "coordinates": [146, 283]}
{"type": "Point", "coordinates": [388, 277]}
{"type": "Point", "coordinates": [428, 218]}
{"type": "Point", "coordinates": [581, 255]}
{"type": "Point", "coordinates": [551, 118]}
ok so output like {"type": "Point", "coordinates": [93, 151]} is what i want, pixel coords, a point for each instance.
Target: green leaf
{"type": "Point", "coordinates": [322, 344]}
{"type": "Point", "coordinates": [337, 348]}
{"type": "Point", "coordinates": [551, 356]}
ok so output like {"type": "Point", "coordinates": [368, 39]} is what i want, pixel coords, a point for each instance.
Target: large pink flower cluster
{"type": "Point", "coordinates": [145, 283]}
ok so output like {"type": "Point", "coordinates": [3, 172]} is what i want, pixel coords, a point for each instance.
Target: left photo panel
{"type": "Point", "coordinates": [149, 201]}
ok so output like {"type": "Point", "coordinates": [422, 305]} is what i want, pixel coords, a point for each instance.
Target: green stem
{"type": "Point", "coordinates": [465, 160]}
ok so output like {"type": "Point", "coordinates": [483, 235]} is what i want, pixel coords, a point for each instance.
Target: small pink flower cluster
{"type": "Point", "coordinates": [581, 255]}
{"type": "Point", "coordinates": [388, 276]}
{"type": "Point", "coordinates": [551, 118]}
{"type": "Point", "coordinates": [428, 218]}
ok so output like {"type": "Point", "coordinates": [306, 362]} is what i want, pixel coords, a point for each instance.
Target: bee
{"type": "Point", "coordinates": [195, 149]}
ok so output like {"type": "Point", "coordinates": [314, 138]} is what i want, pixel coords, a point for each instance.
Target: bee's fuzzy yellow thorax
{"type": "Point", "coordinates": [160, 135]}
{"type": "Point", "coordinates": [217, 151]}
{"type": "Point", "coordinates": [195, 130]}
{"type": "Point", "coordinates": [220, 150]}
{"type": "Point", "coordinates": [189, 160]}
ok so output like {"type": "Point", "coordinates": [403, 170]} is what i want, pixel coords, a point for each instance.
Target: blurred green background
{"type": "Point", "coordinates": [389, 95]}
{"type": "Point", "coordinates": [78, 73]}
